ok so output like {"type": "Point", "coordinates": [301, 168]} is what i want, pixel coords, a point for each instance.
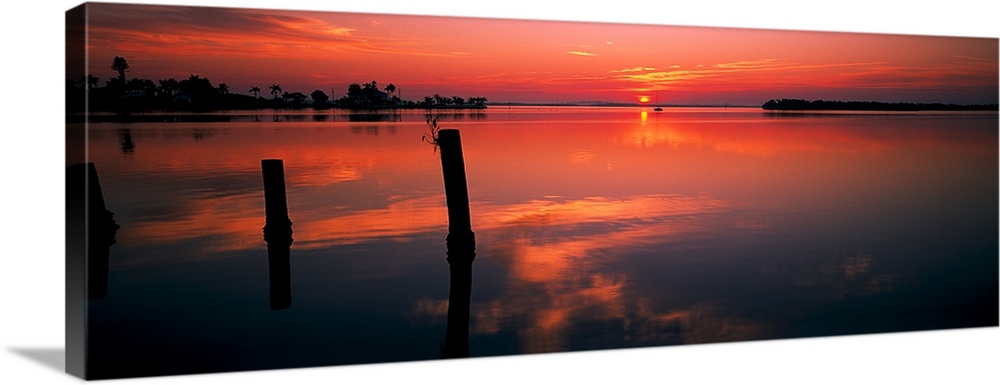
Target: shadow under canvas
{"type": "Point", "coordinates": [54, 358]}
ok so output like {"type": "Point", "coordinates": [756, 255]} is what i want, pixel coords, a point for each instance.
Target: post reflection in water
{"type": "Point", "coordinates": [280, 272]}
{"type": "Point", "coordinates": [461, 253]}
{"type": "Point", "coordinates": [277, 234]}
{"type": "Point", "coordinates": [101, 226]}
{"type": "Point", "coordinates": [127, 145]}
{"type": "Point", "coordinates": [592, 231]}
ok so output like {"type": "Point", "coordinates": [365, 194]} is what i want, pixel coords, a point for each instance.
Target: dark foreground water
{"type": "Point", "coordinates": [594, 229]}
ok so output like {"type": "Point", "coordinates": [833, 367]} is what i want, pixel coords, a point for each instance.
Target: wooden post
{"type": "Point", "coordinates": [461, 244]}
{"type": "Point", "coordinates": [275, 203]}
{"type": "Point", "coordinates": [277, 234]}
{"type": "Point", "coordinates": [455, 186]}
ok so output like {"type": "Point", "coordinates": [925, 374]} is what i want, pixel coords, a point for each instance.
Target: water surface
{"type": "Point", "coordinates": [595, 228]}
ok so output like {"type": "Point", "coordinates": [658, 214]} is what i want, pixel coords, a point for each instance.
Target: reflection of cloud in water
{"type": "Point", "coordinates": [557, 252]}
{"type": "Point", "coordinates": [325, 173]}
{"type": "Point", "coordinates": [400, 219]}
{"type": "Point", "coordinates": [581, 157]}
{"type": "Point", "coordinates": [646, 209]}
{"type": "Point", "coordinates": [618, 221]}
{"type": "Point", "coordinates": [545, 238]}
{"type": "Point", "coordinates": [546, 320]}
{"type": "Point", "coordinates": [229, 221]}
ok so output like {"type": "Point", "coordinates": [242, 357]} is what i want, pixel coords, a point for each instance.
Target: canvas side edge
{"type": "Point", "coordinates": [76, 197]}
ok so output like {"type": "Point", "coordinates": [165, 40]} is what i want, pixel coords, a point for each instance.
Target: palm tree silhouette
{"type": "Point", "coordinates": [255, 90]}
{"type": "Point", "coordinates": [275, 90]}
{"type": "Point", "coordinates": [223, 88]}
{"type": "Point", "coordinates": [120, 65]}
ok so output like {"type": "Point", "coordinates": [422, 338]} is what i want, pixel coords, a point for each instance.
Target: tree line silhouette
{"type": "Point", "coordinates": [801, 105]}
{"type": "Point", "coordinates": [198, 94]}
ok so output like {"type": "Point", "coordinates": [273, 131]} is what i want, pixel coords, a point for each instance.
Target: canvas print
{"type": "Point", "coordinates": [255, 189]}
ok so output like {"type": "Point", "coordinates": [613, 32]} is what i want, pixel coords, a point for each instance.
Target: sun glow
{"type": "Point", "coordinates": [303, 51]}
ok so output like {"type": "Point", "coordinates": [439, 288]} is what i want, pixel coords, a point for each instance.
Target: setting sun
{"type": "Point", "coordinates": [644, 99]}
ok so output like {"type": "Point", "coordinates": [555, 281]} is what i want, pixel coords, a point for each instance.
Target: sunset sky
{"type": "Point", "coordinates": [535, 61]}
{"type": "Point", "coordinates": [34, 42]}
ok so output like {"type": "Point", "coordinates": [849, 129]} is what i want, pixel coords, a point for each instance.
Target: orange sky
{"type": "Point", "coordinates": [531, 61]}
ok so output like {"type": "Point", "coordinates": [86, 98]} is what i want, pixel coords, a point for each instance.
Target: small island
{"type": "Point", "coordinates": [827, 105]}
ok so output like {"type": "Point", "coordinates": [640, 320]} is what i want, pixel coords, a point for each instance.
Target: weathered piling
{"type": "Point", "coordinates": [455, 186]}
{"type": "Point", "coordinates": [277, 234]}
{"type": "Point", "coordinates": [461, 244]}
{"type": "Point", "coordinates": [275, 202]}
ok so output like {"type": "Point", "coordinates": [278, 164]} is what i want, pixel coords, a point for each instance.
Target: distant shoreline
{"type": "Point", "coordinates": [613, 105]}
{"type": "Point", "coordinates": [372, 113]}
{"type": "Point", "coordinates": [828, 105]}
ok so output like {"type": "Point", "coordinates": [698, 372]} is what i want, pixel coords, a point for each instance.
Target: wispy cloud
{"type": "Point", "coordinates": [751, 64]}
{"type": "Point", "coordinates": [199, 32]}
{"type": "Point", "coordinates": [974, 58]}
{"type": "Point", "coordinates": [633, 69]}
{"type": "Point", "coordinates": [581, 53]}
{"type": "Point", "coordinates": [738, 70]}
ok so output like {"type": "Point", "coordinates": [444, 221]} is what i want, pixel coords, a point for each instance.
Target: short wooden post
{"type": "Point", "coordinates": [275, 203]}
{"type": "Point", "coordinates": [455, 186]}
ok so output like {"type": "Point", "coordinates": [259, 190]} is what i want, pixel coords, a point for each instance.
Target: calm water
{"type": "Point", "coordinates": [595, 229]}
